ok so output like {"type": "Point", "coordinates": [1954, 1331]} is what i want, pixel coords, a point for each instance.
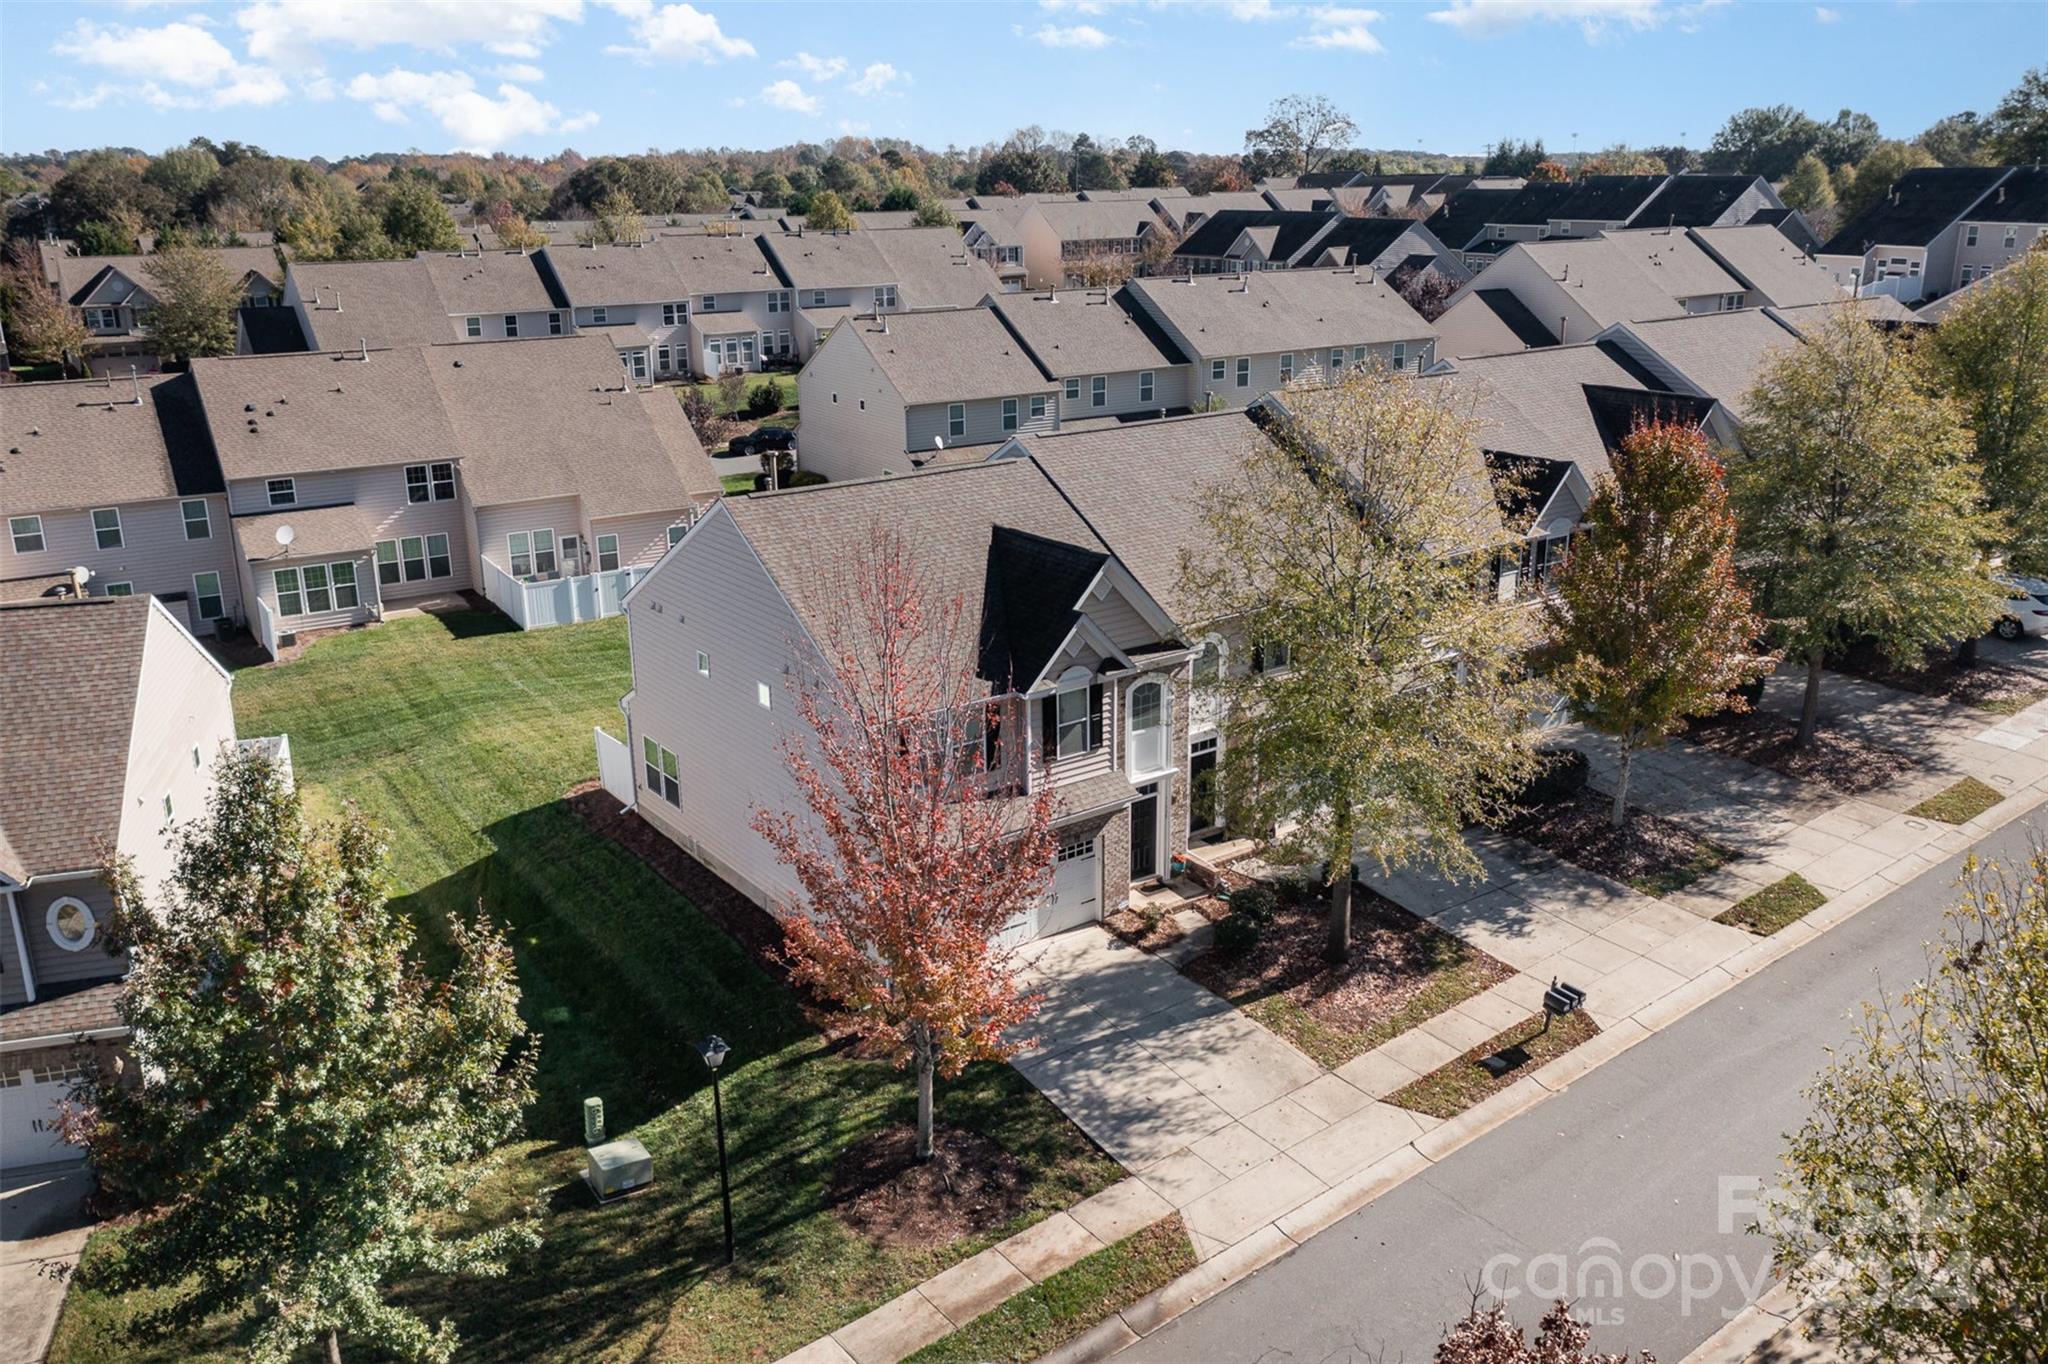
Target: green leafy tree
{"type": "Point", "coordinates": [1874, 175]}
{"type": "Point", "coordinates": [1512, 157]}
{"type": "Point", "coordinates": [772, 189]}
{"type": "Point", "coordinates": [193, 301]}
{"type": "Point", "coordinates": [1300, 133]}
{"type": "Point", "coordinates": [1350, 539]}
{"type": "Point", "coordinates": [1027, 172]}
{"type": "Point", "coordinates": [99, 238]}
{"type": "Point", "coordinates": [1647, 623]}
{"type": "Point", "coordinates": [1766, 141]}
{"type": "Point", "coordinates": [2018, 127]}
{"type": "Point", "coordinates": [414, 218]}
{"type": "Point", "coordinates": [41, 328]}
{"type": "Point", "coordinates": [1859, 508]}
{"type": "Point", "coordinates": [828, 213]}
{"type": "Point", "coordinates": [1913, 1213]}
{"type": "Point", "coordinates": [1150, 168]}
{"type": "Point", "coordinates": [1094, 168]}
{"type": "Point", "coordinates": [312, 1107]}
{"type": "Point", "coordinates": [900, 199]}
{"type": "Point", "coordinates": [102, 187]}
{"type": "Point", "coordinates": [617, 221]}
{"type": "Point", "coordinates": [1992, 354]}
{"type": "Point", "coordinates": [1851, 137]}
{"type": "Point", "coordinates": [932, 213]}
{"type": "Point", "coordinates": [1958, 140]}
{"type": "Point", "coordinates": [704, 192]}
{"type": "Point", "coordinates": [184, 175]}
{"type": "Point", "coordinates": [1808, 188]}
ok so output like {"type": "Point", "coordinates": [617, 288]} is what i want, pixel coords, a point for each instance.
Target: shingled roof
{"type": "Point", "coordinates": [1086, 331]}
{"type": "Point", "coordinates": [1269, 311]}
{"type": "Point", "coordinates": [1464, 215]}
{"type": "Point", "coordinates": [1693, 199]}
{"type": "Point", "coordinates": [67, 707]}
{"type": "Point", "coordinates": [949, 356]}
{"type": "Point", "coordinates": [1914, 208]}
{"type": "Point", "coordinates": [83, 443]}
{"type": "Point", "coordinates": [1766, 260]}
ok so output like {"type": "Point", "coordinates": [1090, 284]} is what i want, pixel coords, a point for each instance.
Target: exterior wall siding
{"type": "Point", "coordinates": [1991, 252]}
{"type": "Point", "coordinates": [642, 539]}
{"type": "Point", "coordinates": [923, 423]}
{"type": "Point", "coordinates": [379, 495]}
{"type": "Point", "coordinates": [53, 965]}
{"type": "Point", "coordinates": [155, 558]}
{"type": "Point", "coordinates": [838, 438]}
{"type": "Point", "coordinates": [367, 593]}
{"type": "Point", "coordinates": [1169, 389]}
{"type": "Point", "coordinates": [183, 714]}
{"type": "Point", "coordinates": [1265, 374]}
{"type": "Point", "coordinates": [562, 515]}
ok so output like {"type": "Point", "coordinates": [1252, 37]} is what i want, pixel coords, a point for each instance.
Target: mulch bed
{"type": "Point", "coordinates": [969, 1186]}
{"type": "Point", "coordinates": [1653, 854]}
{"type": "Point", "coordinates": [1995, 687]}
{"type": "Point", "coordinates": [1402, 970]}
{"type": "Point", "coordinates": [1839, 758]}
{"type": "Point", "coordinates": [1155, 929]}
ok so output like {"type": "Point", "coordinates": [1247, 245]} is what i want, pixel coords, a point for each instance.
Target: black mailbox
{"type": "Point", "coordinates": [1561, 999]}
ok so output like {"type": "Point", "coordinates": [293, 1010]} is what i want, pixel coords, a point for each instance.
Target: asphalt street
{"type": "Point", "coordinates": [1632, 1191]}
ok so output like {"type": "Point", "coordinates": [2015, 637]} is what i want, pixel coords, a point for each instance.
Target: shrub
{"type": "Point", "coordinates": [804, 478]}
{"type": "Point", "coordinates": [764, 400]}
{"type": "Point", "coordinates": [1254, 904]}
{"type": "Point", "coordinates": [1562, 776]}
{"type": "Point", "coordinates": [1236, 934]}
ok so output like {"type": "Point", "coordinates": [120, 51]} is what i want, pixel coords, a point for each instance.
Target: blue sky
{"type": "Point", "coordinates": [335, 77]}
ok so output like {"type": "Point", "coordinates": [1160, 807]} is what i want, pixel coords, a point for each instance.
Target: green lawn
{"type": "Point", "coordinates": [459, 736]}
{"type": "Point", "coordinates": [786, 383]}
{"type": "Point", "coordinates": [1784, 901]}
{"type": "Point", "coordinates": [1960, 803]}
{"type": "Point", "coordinates": [1456, 1085]}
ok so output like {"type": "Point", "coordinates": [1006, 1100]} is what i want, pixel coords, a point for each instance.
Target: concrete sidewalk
{"type": "Point", "coordinates": [42, 1223]}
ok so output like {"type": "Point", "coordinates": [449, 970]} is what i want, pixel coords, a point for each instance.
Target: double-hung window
{"type": "Point", "coordinates": [885, 296]}
{"type": "Point", "coordinates": [198, 523]}
{"type": "Point", "coordinates": [1970, 235]}
{"type": "Point", "coordinates": [344, 577]}
{"type": "Point", "coordinates": [473, 326]}
{"type": "Point", "coordinates": [1336, 360]}
{"type": "Point", "coordinates": [818, 298]}
{"type": "Point", "coordinates": [1287, 367]}
{"type": "Point", "coordinates": [106, 527]}
{"type": "Point", "coordinates": [1009, 414]}
{"type": "Point", "coordinates": [519, 549]}
{"type": "Point", "coordinates": [778, 301]}
{"type": "Point", "coordinates": [283, 492]}
{"type": "Point", "coordinates": [430, 482]}
{"type": "Point", "coordinates": [412, 553]}
{"type": "Point", "coordinates": [206, 596]}
{"type": "Point", "coordinates": [674, 314]}
{"type": "Point", "coordinates": [1038, 401]}
{"type": "Point", "coordinates": [554, 324]}
{"type": "Point", "coordinates": [956, 420]}
{"type": "Point", "coordinates": [1074, 391]}
{"type": "Point", "coordinates": [2012, 238]}
{"type": "Point", "coordinates": [289, 600]}
{"type": "Point", "coordinates": [27, 532]}
{"type": "Point", "coordinates": [1072, 712]}
{"type": "Point", "coordinates": [318, 598]}
{"type": "Point", "coordinates": [663, 773]}
{"type": "Point", "coordinates": [438, 563]}
{"type": "Point", "coordinates": [597, 317]}
{"type": "Point", "coordinates": [1217, 369]}
{"type": "Point", "coordinates": [1098, 391]}
{"type": "Point", "coordinates": [607, 553]}
{"type": "Point", "coordinates": [387, 562]}
{"type": "Point", "coordinates": [544, 551]}
{"type": "Point", "coordinates": [512, 324]}
{"type": "Point", "coordinates": [1244, 371]}
{"type": "Point", "coordinates": [1400, 354]}
{"type": "Point", "coordinates": [1145, 386]}
{"type": "Point", "coordinates": [709, 305]}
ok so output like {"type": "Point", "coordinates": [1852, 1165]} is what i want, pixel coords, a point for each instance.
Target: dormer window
{"type": "Point", "coordinates": [710, 304]}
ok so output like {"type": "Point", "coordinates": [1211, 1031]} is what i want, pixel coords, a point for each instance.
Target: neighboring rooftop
{"type": "Point", "coordinates": [1765, 259]}
{"type": "Point", "coordinates": [602, 275]}
{"type": "Point", "coordinates": [1534, 402]}
{"type": "Point", "coordinates": [1085, 331]}
{"type": "Point", "coordinates": [84, 443]}
{"type": "Point", "coordinates": [1533, 205]}
{"type": "Point", "coordinates": [1282, 310]}
{"type": "Point", "coordinates": [829, 260]}
{"type": "Point", "coordinates": [1914, 208]}
{"type": "Point", "coordinates": [77, 276]}
{"type": "Point", "coordinates": [1693, 199]}
{"type": "Point", "coordinates": [1464, 215]}
{"type": "Point", "coordinates": [949, 356]}
{"type": "Point", "coordinates": [378, 303]}
{"type": "Point", "coordinates": [1723, 353]}
{"type": "Point", "coordinates": [1606, 198]}
{"type": "Point", "coordinates": [934, 268]}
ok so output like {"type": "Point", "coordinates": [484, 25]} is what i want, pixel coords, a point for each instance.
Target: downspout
{"type": "Point", "coordinates": [28, 974]}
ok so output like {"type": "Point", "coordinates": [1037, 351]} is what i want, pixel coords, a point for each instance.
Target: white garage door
{"type": "Point", "coordinates": [28, 1118]}
{"type": "Point", "coordinates": [1076, 895]}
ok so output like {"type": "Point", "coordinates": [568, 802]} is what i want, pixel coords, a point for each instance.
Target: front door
{"type": "Point", "coordinates": [1202, 804]}
{"type": "Point", "coordinates": [1145, 833]}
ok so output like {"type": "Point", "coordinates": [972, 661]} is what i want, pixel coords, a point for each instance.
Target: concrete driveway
{"type": "Point", "coordinates": [42, 1222]}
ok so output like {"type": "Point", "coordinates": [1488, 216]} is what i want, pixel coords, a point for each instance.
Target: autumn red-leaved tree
{"type": "Point", "coordinates": [913, 848]}
{"type": "Point", "coordinates": [1488, 1335]}
{"type": "Point", "coordinates": [1647, 622]}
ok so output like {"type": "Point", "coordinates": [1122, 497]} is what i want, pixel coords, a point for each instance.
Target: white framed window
{"type": "Point", "coordinates": [472, 326]}
{"type": "Point", "coordinates": [198, 521]}
{"type": "Point", "coordinates": [106, 527]}
{"type": "Point", "coordinates": [782, 343]}
{"type": "Point", "coordinates": [1149, 725]}
{"type": "Point", "coordinates": [956, 420]}
{"type": "Point", "coordinates": [2012, 237]}
{"type": "Point", "coordinates": [1336, 360]}
{"type": "Point", "coordinates": [412, 558]}
{"type": "Point", "coordinates": [597, 317]}
{"type": "Point", "coordinates": [1244, 371]}
{"type": "Point", "coordinates": [778, 301]}
{"type": "Point", "coordinates": [1074, 391]}
{"type": "Point", "coordinates": [27, 533]}
{"type": "Point", "coordinates": [554, 324]}
{"type": "Point", "coordinates": [1145, 386]}
{"type": "Point", "coordinates": [1038, 402]}
{"type": "Point", "coordinates": [885, 296]}
{"type": "Point", "coordinates": [119, 589]}
{"type": "Point", "coordinates": [1073, 709]}
{"type": "Point", "coordinates": [703, 664]}
{"type": "Point", "coordinates": [519, 552]}
{"type": "Point", "coordinates": [662, 772]}
{"type": "Point", "coordinates": [1272, 658]}
{"type": "Point", "coordinates": [1970, 235]}
{"type": "Point", "coordinates": [709, 305]}
{"type": "Point", "coordinates": [544, 551]}
{"type": "Point", "coordinates": [318, 598]}
{"type": "Point", "coordinates": [676, 532]}
{"type": "Point", "coordinates": [103, 319]}
{"type": "Point", "coordinates": [283, 492]}
{"type": "Point", "coordinates": [71, 923]}
{"type": "Point", "coordinates": [207, 598]}
{"type": "Point", "coordinates": [438, 563]}
{"type": "Point", "coordinates": [511, 324]}
{"type": "Point", "coordinates": [661, 363]}
{"type": "Point", "coordinates": [1209, 662]}
{"type": "Point", "coordinates": [607, 553]}
{"type": "Point", "coordinates": [1098, 391]}
{"type": "Point", "coordinates": [674, 314]}
{"type": "Point", "coordinates": [764, 696]}
{"type": "Point", "coordinates": [343, 575]}
{"type": "Point", "coordinates": [1400, 355]}
{"type": "Point", "coordinates": [1009, 414]}
{"type": "Point", "coordinates": [1287, 367]}
{"type": "Point", "coordinates": [1217, 369]}
{"type": "Point", "coordinates": [817, 298]}
{"type": "Point", "coordinates": [285, 583]}
{"type": "Point", "coordinates": [387, 562]}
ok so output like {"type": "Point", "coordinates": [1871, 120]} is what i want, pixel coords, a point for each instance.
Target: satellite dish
{"type": "Point", "coordinates": [285, 536]}
{"type": "Point", "coordinates": [939, 442]}
{"type": "Point", "coordinates": [80, 576]}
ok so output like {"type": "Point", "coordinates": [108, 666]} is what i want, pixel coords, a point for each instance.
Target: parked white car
{"type": "Point", "coordinates": [2027, 610]}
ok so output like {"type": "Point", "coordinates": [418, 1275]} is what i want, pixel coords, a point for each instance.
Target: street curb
{"type": "Point", "coordinates": [1296, 1226]}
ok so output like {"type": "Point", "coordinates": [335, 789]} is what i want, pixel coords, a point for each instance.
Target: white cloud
{"type": "Point", "coordinates": [1076, 35]}
{"type": "Point", "coordinates": [304, 30]}
{"type": "Point", "coordinates": [677, 33]}
{"type": "Point", "coordinates": [1074, 6]}
{"type": "Point", "coordinates": [524, 72]}
{"type": "Point", "coordinates": [1823, 15]}
{"type": "Point", "coordinates": [852, 127]}
{"type": "Point", "coordinates": [586, 119]}
{"type": "Point", "coordinates": [817, 68]}
{"type": "Point", "coordinates": [178, 65]}
{"type": "Point", "coordinates": [1255, 11]}
{"type": "Point", "coordinates": [876, 78]}
{"type": "Point", "coordinates": [791, 96]}
{"type": "Point", "coordinates": [1484, 18]}
{"type": "Point", "coordinates": [1349, 30]}
{"type": "Point", "coordinates": [473, 120]}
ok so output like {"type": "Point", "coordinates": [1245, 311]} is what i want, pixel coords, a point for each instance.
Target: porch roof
{"type": "Point", "coordinates": [724, 324]}
{"type": "Point", "coordinates": [316, 531]}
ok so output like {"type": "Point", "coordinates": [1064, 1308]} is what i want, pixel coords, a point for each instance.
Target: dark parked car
{"type": "Point", "coordinates": [765, 439]}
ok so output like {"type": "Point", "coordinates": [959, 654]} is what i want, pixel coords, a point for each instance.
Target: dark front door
{"type": "Point", "coordinates": [1202, 787]}
{"type": "Point", "coordinates": [1145, 832]}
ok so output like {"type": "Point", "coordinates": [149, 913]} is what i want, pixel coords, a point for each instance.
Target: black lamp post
{"type": "Point", "coordinates": [713, 1050]}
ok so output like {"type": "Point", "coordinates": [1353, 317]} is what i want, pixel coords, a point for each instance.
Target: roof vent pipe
{"type": "Point", "coordinates": [1563, 326]}
{"type": "Point", "coordinates": [337, 298]}
{"type": "Point", "coordinates": [364, 342]}
{"type": "Point", "coordinates": [135, 381]}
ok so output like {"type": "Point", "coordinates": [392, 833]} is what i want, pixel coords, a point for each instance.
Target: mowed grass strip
{"type": "Point", "coordinates": [1786, 900]}
{"type": "Point", "coordinates": [1455, 1086]}
{"type": "Point", "coordinates": [1047, 1315]}
{"type": "Point", "coordinates": [1960, 803]}
{"type": "Point", "coordinates": [459, 736]}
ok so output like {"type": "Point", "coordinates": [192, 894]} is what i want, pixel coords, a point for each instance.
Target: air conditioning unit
{"type": "Point", "coordinates": [617, 1168]}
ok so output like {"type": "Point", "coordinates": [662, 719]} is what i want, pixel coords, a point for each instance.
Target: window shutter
{"type": "Point", "coordinates": [1049, 727]}
{"type": "Point", "coordinates": [1095, 716]}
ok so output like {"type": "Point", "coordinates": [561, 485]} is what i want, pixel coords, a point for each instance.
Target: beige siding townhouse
{"type": "Point", "coordinates": [107, 476]}
{"type": "Point", "coordinates": [1086, 682]}
{"type": "Point", "coordinates": [2003, 225]}
{"type": "Point", "coordinates": [1914, 240]}
{"type": "Point", "coordinates": [1109, 358]}
{"type": "Point", "coordinates": [1251, 335]}
{"type": "Point", "coordinates": [111, 296]}
{"type": "Point", "coordinates": [887, 394]}
{"type": "Point", "coordinates": [637, 299]}
{"type": "Point", "coordinates": [428, 300]}
{"type": "Point", "coordinates": [115, 718]}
